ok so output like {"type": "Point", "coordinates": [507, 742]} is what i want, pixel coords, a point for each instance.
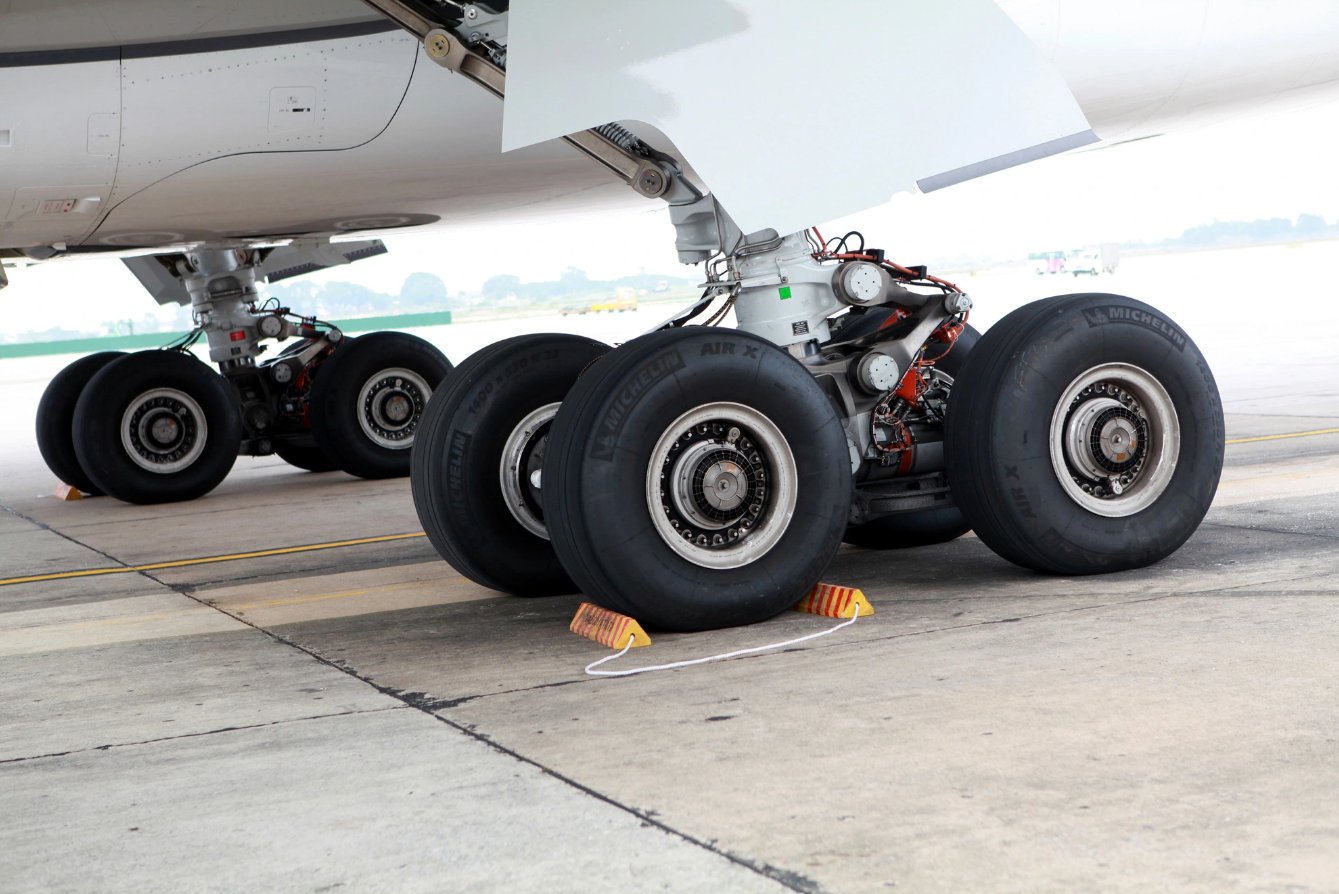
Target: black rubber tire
{"type": "Point", "coordinates": [996, 437]}
{"type": "Point", "coordinates": [904, 530]}
{"type": "Point", "coordinates": [55, 419]}
{"type": "Point", "coordinates": [97, 427]}
{"type": "Point", "coordinates": [923, 527]}
{"type": "Point", "coordinates": [458, 454]}
{"type": "Point", "coordinates": [305, 456]}
{"type": "Point", "coordinates": [601, 443]}
{"type": "Point", "coordinates": [334, 399]}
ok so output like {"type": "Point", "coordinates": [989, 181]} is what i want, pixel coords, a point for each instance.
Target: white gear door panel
{"type": "Point", "coordinates": [179, 111]}
{"type": "Point", "coordinates": [795, 113]}
{"type": "Point", "coordinates": [58, 150]}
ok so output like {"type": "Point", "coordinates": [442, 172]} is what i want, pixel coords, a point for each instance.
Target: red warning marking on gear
{"type": "Point", "coordinates": [239, 335]}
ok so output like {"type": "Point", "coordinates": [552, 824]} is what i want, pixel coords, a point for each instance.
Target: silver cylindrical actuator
{"type": "Point", "coordinates": [877, 373]}
{"type": "Point", "coordinates": [861, 283]}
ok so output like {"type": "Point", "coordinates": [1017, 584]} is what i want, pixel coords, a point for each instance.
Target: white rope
{"type": "Point", "coordinates": [660, 667]}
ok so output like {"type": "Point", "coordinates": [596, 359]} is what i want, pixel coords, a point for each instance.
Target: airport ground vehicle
{"type": "Point", "coordinates": [1103, 258]}
{"type": "Point", "coordinates": [696, 476]}
{"type": "Point", "coordinates": [624, 299]}
{"type": "Point", "coordinates": [1047, 262]}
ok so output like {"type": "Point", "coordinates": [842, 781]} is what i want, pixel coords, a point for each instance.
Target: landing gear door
{"type": "Point", "coordinates": [60, 131]}
{"type": "Point", "coordinates": [795, 113]}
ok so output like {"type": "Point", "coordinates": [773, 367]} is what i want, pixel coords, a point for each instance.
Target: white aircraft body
{"type": "Point", "coordinates": [696, 477]}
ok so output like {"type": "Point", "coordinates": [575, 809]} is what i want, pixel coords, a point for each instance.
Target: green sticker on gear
{"type": "Point", "coordinates": [785, 292]}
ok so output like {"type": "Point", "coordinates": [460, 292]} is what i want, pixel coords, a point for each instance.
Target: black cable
{"type": "Point", "coordinates": [695, 311]}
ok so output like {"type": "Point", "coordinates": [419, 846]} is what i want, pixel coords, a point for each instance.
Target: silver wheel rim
{"type": "Point", "coordinates": [515, 473]}
{"type": "Point", "coordinates": [390, 405]}
{"type": "Point", "coordinates": [164, 431]}
{"type": "Point", "coordinates": [721, 485]}
{"type": "Point", "coordinates": [1115, 440]}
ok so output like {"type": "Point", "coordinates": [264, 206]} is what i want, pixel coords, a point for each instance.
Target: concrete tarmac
{"type": "Point", "coordinates": [362, 718]}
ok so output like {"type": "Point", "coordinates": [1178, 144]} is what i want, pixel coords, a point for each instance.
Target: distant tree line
{"type": "Point", "coordinates": [423, 292]}
{"type": "Point", "coordinates": [1227, 233]}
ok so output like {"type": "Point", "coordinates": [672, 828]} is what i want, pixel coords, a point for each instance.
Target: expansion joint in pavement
{"type": "Point", "coordinates": [93, 549]}
{"type": "Point", "coordinates": [209, 732]}
{"type": "Point", "coordinates": [419, 702]}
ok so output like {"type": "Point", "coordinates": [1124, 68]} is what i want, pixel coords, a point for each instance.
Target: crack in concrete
{"type": "Point", "coordinates": [418, 701]}
{"type": "Point", "coordinates": [210, 732]}
{"type": "Point", "coordinates": [93, 549]}
{"type": "Point", "coordinates": [1215, 524]}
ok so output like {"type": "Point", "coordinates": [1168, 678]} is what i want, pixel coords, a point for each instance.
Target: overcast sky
{"type": "Point", "coordinates": [1261, 166]}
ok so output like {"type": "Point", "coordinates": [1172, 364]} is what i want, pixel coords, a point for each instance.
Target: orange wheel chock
{"type": "Point", "coordinates": [608, 628]}
{"type": "Point", "coordinates": [832, 601]}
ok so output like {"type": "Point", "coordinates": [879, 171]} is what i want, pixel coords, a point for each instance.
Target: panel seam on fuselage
{"type": "Point", "coordinates": [413, 69]}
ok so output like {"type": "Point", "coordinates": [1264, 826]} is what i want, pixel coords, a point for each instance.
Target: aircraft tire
{"type": "Point", "coordinates": [483, 436]}
{"type": "Point", "coordinates": [304, 456]}
{"type": "Point", "coordinates": [922, 527]}
{"type": "Point", "coordinates": [368, 401]}
{"type": "Point", "coordinates": [157, 427]}
{"type": "Point", "coordinates": [655, 428]}
{"type": "Point", "coordinates": [1063, 400]}
{"type": "Point", "coordinates": [55, 419]}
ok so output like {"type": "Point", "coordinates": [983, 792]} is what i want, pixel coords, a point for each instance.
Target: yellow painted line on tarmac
{"type": "Point", "coordinates": [92, 572]}
{"type": "Point", "coordinates": [1296, 434]}
{"type": "Point", "coordinates": [63, 575]}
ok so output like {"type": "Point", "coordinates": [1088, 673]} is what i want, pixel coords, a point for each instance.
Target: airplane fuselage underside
{"type": "Point", "coordinates": [323, 118]}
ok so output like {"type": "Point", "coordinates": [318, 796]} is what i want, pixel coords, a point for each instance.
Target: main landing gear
{"type": "Point", "coordinates": [699, 477]}
{"type": "Point", "coordinates": [160, 426]}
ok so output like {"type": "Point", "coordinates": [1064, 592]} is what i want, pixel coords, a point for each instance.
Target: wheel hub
{"type": "Point", "coordinates": [1106, 438]}
{"type": "Point", "coordinates": [390, 405]}
{"type": "Point", "coordinates": [1115, 439]}
{"type": "Point", "coordinates": [717, 484]}
{"type": "Point", "coordinates": [721, 485]}
{"type": "Point", "coordinates": [163, 430]}
{"type": "Point", "coordinates": [522, 468]}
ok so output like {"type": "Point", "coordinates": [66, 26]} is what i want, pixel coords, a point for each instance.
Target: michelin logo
{"type": "Point", "coordinates": [1099, 316]}
{"type": "Point", "coordinates": [606, 434]}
